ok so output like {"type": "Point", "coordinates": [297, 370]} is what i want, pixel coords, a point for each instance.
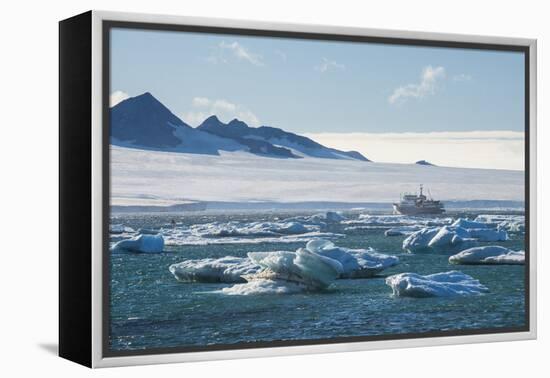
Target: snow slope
{"type": "Point", "coordinates": [171, 177]}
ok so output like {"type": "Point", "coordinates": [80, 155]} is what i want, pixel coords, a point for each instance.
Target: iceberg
{"type": "Point", "coordinates": [466, 223]}
{"type": "Point", "coordinates": [488, 255]}
{"type": "Point", "coordinates": [448, 236]}
{"type": "Point", "coordinates": [512, 223]}
{"type": "Point", "coordinates": [332, 216]}
{"type": "Point", "coordinates": [140, 244]}
{"type": "Point", "coordinates": [419, 240]}
{"type": "Point", "coordinates": [227, 269]}
{"type": "Point", "coordinates": [445, 284]}
{"type": "Point", "coordinates": [309, 269]}
{"type": "Point", "coordinates": [285, 272]}
{"type": "Point", "coordinates": [356, 263]}
{"type": "Point", "coordinates": [452, 237]}
{"type": "Point", "coordinates": [321, 219]}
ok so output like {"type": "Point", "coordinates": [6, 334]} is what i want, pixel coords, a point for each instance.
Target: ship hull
{"type": "Point", "coordinates": [414, 210]}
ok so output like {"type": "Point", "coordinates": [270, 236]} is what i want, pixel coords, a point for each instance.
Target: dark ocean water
{"type": "Point", "coordinates": [150, 309]}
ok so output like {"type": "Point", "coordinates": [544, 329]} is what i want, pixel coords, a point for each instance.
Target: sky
{"type": "Point", "coordinates": [393, 103]}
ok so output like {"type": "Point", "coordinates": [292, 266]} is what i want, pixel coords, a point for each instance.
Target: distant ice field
{"type": "Point", "coordinates": [165, 178]}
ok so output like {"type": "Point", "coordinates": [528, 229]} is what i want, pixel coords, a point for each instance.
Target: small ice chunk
{"type": "Point", "coordinates": [488, 255]}
{"type": "Point", "coordinates": [120, 229]}
{"type": "Point", "coordinates": [334, 216]}
{"type": "Point", "coordinates": [263, 287]}
{"type": "Point", "coordinates": [227, 269]}
{"type": "Point", "coordinates": [445, 284]}
{"type": "Point", "coordinates": [140, 244]}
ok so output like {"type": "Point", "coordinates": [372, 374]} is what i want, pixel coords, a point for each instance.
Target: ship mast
{"type": "Point", "coordinates": [420, 189]}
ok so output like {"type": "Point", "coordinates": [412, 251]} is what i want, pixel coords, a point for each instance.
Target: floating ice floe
{"type": "Point", "coordinates": [491, 255]}
{"type": "Point", "coordinates": [140, 244]}
{"type": "Point", "coordinates": [147, 231]}
{"type": "Point", "coordinates": [488, 235]}
{"type": "Point", "coordinates": [227, 269]}
{"type": "Point", "coordinates": [512, 223]}
{"type": "Point", "coordinates": [383, 221]}
{"type": "Point", "coordinates": [120, 229]}
{"type": "Point", "coordinates": [312, 268]}
{"type": "Point", "coordinates": [243, 233]}
{"type": "Point", "coordinates": [288, 272]}
{"type": "Point", "coordinates": [452, 237]}
{"type": "Point", "coordinates": [321, 219]}
{"type": "Point", "coordinates": [252, 229]}
{"type": "Point", "coordinates": [445, 284]}
{"type": "Point", "coordinates": [263, 286]}
{"type": "Point", "coordinates": [419, 240]}
{"type": "Point", "coordinates": [402, 230]}
{"type": "Point", "coordinates": [466, 223]}
{"type": "Point", "coordinates": [356, 263]}
{"type": "Point", "coordinates": [352, 263]}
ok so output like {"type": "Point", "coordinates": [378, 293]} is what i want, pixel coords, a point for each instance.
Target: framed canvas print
{"type": "Point", "coordinates": [235, 189]}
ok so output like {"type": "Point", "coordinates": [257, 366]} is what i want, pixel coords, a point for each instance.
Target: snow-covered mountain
{"type": "Point", "coordinates": [299, 145]}
{"type": "Point", "coordinates": [144, 122]}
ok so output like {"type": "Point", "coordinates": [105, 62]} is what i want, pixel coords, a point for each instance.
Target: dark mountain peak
{"type": "Point", "coordinates": [212, 118]}
{"type": "Point", "coordinates": [211, 123]}
{"type": "Point", "coordinates": [356, 155]}
{"type": "Point", "coordinates": [144, 121]}
{"type": "Point", "coordinates": [238, 123]}
{"type": "Point", "coordinates": [424, 162]}
{"type": "Point", "coordinates": [146, 95]}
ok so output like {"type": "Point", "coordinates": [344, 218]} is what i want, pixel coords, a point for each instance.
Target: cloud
{"type": "Point", "coordinates": [200, 101]}
{"type": "Point", "coordinates": [462, 77]}
{"type": "Point", "coordinates": [496, 149]}
{"type": "Point", "coordinates": [328, 65]}
{"type": "Point", "coordinates": [117, 96]}
{"type": "Point", "coordinates": [238, 51]}
{"type": "Point", "coordinates": [427, 86]}
{"type": "Point", "coordinates": [204, 107]}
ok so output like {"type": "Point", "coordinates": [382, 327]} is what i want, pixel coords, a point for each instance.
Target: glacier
{"type": "Point", "coordinates": [171, 178]}
{"type": "Point", "coordinates": [444, 284]}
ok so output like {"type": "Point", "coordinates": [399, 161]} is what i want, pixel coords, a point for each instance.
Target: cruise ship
{"type": "Point", "coordinates": [413, 204]}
